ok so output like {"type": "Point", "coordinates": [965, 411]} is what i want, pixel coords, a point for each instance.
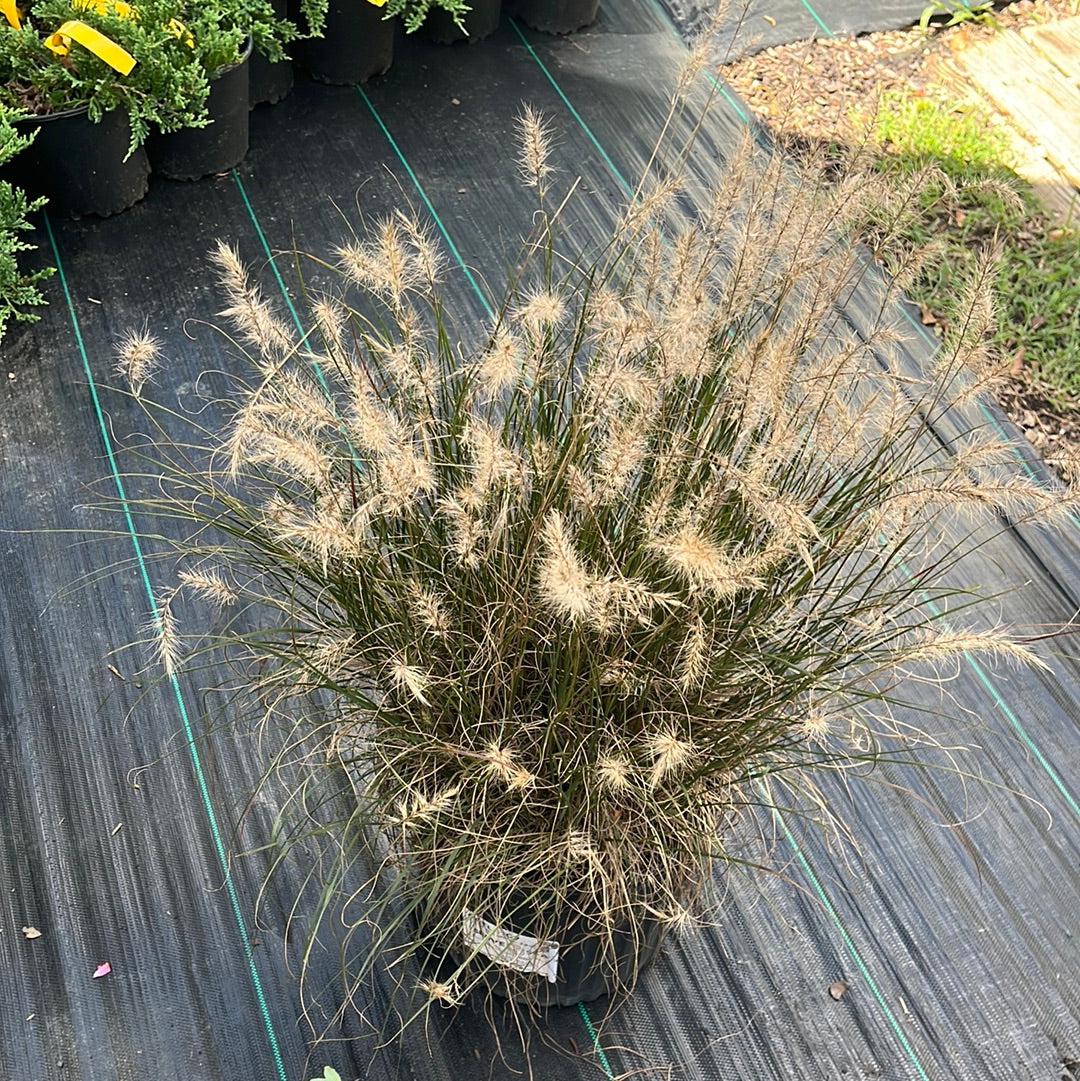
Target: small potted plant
{"type": "Point", "coordinates": [220, 35]}
{"type": "Point", "coordinates": [19, 292]}
{"type": "Point", "coordinates": [270, 71]}
{"type": "Point", "coordinates": [92, 78]}
{"type": "Point", "coordinates": [346, 42]}
{"type": "Point", "coordinates": [450, 21]}
{"type": "Point", "coordinates": [559, 603]}
{"type": "Point", "coordinates": [557, 16]}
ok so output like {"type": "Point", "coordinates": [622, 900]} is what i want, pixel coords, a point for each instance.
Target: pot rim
{"type": "Point", "coordinates": [43, 118]}
{"type": "Point", "coordinates": [245, 52]}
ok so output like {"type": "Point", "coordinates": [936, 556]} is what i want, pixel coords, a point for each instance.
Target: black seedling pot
{"type": "Point", "coordinates": [557, 16]}
{"type": "Point", "coordinates": [270, 81]}
{"type": "Point", "coordinates": [357, 43]}
{"type": "Point", "coordinates": [481, 22]}
{"type": "Point", "coordinates": [80, 165]}
{"type": "Point", "coordinates": [192, 153]}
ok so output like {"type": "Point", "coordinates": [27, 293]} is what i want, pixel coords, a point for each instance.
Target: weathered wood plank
{"type": "Point", "coordinates": [1033, 92]}
{"type": "Point", "coordinates": [1050, 186]}
{"type": "Point", "coordinates": [1060, 43]}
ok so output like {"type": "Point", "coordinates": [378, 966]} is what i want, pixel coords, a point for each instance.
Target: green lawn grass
{"type": "Point", "coordinates": [1038, 287]}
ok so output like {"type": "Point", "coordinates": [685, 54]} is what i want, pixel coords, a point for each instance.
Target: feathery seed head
{"type": "Point", "coordinates": [564, 583]}
{"type": "Point", "coordinates": [209, 584]}
{"type": "Point", "coordinates": [541, 311]}
{"type": "Point", "coordinates": [701, 562]}
{"type": "Point", "coordinates": [408, 679]}
{"type": "Point", "coordinates": [444, 993]}
{"type": "Point", "coordinates": [814, 726]}
{"type": "Point", "coordinates": [534, 149]}
{"type": "Point", "coordinates": [613, 773]}
{"type": "Point", "coordinates": [138, 357]}
{"type": "Point", "coordinates": [500, 367]}
{"type": "Point", "coordinates": [169, 646]}
{"type": "Point", "coordinates": [669, 754]}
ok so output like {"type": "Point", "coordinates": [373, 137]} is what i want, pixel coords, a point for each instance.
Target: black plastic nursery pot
{"type": "Point", "coordinates": [481, 22]}
{"type": "Point", "coordinates": [192, 153]}
{"type": "Point", "coordinates": [357, 43]}
{"type": "Point", "coordinates": [82, 167]}
{"type": "Point", "coordinates": [577, 967]}
{"type": "Point", "coordinates": [557, 16]}
{"type": "Point", "coordinates": [270, 81]}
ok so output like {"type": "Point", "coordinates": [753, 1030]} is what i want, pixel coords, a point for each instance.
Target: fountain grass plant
{"type": "Point", "coordinates": [559, 599]}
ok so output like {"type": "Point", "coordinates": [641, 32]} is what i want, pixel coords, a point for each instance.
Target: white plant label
{"type": "Point", "coordinates": [519, 952]}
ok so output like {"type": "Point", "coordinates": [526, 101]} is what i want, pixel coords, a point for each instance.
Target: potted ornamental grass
{"type": "Point", "coordinates": [544, 608]}
{"type": "Point", "coordinates": [270, 70]}
{"type": "Point", "coordinates": [93, 78]}
{"type": "Point", "coordinates": [19, 290]}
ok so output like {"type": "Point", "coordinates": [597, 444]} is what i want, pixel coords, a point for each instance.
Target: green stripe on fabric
{"type": "Point", "coordinates": [427, 202]}
{"type": "Point", "coordinates": [601, 1054]}
{"type": "Point", "coordinates": [817, 18]}
{"type": "Point", "coordinates": [852, 949]}
{"type": "Point", "coordinates": [189, 733]}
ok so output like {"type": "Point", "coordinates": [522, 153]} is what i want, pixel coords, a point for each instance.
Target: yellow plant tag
{"type": "Point", "coordinates": [377, 3]}
{"type": "Point", "coordinates": [11, 13]}
{"type": "Point", "coordinates": [93, 41]}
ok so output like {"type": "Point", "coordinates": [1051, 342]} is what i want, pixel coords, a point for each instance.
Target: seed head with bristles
{"type": "Point", "coordinates": [167, 634]}
{"type": "Point", "coordinates": [138, 357]}
{"type": "Point", "coordinates": [564, 583]}
{"type": "Point", "coordinates": [210, 585]}
{"type": "Point", "coordinates": [669, 753]}
{"type": "Point", "coordinates": [500, 365]}
{"type": "Point", "coordinates": [248, 310]}
{"type": "Point", "coordinates": [613, 773]}
{"type": "Point", "coordinates": [541, 311]}
{"type": "Point", "coordinates": [409, 679]}
{"type": "Point", "coordinates": [941, 645]}
{"type": "Point", "coordinates": [534, 150]}
{"type": "Point", "coordinates": [700, 561]}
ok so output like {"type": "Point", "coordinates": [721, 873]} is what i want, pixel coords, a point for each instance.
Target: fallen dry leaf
{"type": "Point", "coordinates": [102, 970]}
{"type": "Point", "coordinates": [837, 990]}
{"type": "Point", "coordinates": [926, 316]}
{"type": "Point", "coordinates": [31, 932]}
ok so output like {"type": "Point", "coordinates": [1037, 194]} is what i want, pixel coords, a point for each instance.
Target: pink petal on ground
{"type": "Point", "coordinates": [102, 970]}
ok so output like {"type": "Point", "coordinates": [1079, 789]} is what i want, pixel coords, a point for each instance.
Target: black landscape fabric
{"type": "Point", "coordinates": [748, 26]}
{"type": "Point", "coordinates": [952, 923]}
